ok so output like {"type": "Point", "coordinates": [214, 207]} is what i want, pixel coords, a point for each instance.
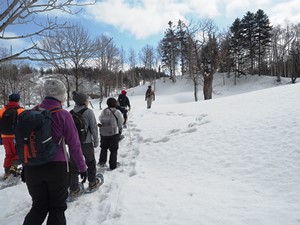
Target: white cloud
{"type": "Point", "coordinates": [285, 11]}
{"type": "Point", "coordinates": [143, 18]}
{"type": "Point", "coordinates": [13, 45]}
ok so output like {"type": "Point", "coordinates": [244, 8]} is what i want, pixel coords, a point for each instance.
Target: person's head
{"type": "Point", "coordinates": [55, 89]}
{"type": "Point", "coordinates": [123, 92]}
{"type": "Point", "coordinates": [111, 102]}
{"type": "Point", "coordinates": [80, 98]}
{"type": "Point", "coordinates": [149, 87]}
{"type": "Point", "coordinates": [15, 97]}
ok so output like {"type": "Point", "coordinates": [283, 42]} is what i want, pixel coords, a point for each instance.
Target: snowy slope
{"type": "Point", "coordinates": [232, 160]}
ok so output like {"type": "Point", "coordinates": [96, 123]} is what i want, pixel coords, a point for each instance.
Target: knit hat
{"type": "Point", "coordinates": [79, 98]}
{"type": "Point", "coordinates": [123, 92]}
{"type": "Point", "coordinates": [56, 89]}
{"type": "Point", "coordinates": [15, 97]}
{"type": "Point", "coordinates": [111, 103]}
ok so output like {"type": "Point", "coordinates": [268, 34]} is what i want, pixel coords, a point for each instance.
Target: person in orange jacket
{"type": "Point", "coordinates": [11, 160]}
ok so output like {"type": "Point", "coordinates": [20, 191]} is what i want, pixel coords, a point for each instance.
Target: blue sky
{"type": "Point", "coordinates": [136, 23]}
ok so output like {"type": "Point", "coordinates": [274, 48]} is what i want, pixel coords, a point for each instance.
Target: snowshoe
{"type": "Point", "coordinates": [74, 195]}
{"type": "Point", "coordinates": [11, 180]}
{"type": "Point", "coordinates": [95, 186]}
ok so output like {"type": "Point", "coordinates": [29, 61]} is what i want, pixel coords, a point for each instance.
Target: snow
{"type": "Point", "coordinates": [232, 160]}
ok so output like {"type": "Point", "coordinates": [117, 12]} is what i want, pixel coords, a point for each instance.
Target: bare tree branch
{"type": "Point", "coordinates": [22, 12]}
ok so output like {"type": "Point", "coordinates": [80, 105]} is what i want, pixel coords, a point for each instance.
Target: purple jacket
{"type": "Point", "coordinates": [64, 126]}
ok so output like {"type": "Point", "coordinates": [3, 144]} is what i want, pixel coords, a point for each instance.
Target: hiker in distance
{"type": "Point", "coordinates": [48, 183]}
{"type": "Point", "coordinates": [149, 96]}
{"type": "Point", "coordinates": [111, 121]}
{"type": "Point", "coordinates": [89, 141]}
{"type": "Point", "coordinates": [124, 102]}
{"type": "Point", "coordinates": [8, 120]}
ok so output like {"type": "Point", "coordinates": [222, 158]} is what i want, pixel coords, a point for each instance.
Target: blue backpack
{"type": "Point", "coordinates": [34, 142]}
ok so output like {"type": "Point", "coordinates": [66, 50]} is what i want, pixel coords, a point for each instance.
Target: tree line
{"type": "Point", "coordinates": [249, 46]}
{"type": "Point", "coordinates": [97, 66]}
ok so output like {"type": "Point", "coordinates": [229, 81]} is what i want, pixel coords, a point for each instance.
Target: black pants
{"type": "Point", "coordinates": [89, 155]}
{"type": "Point", "coordinates": [48, 186]}
{"type": "Point", "coordinates": [124, 112]}
{"type": "Point", "coordinates": [111, 143]}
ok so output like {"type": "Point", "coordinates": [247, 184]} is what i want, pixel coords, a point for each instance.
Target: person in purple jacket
{"type": "Point", "coordinates": [48, 183]}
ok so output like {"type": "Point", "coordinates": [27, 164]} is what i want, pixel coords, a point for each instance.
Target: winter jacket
{"type": "Point", "coordinates": [150, 94]}
{"type": "Point", "coordinates": [124, 101]}
{"type": "Point", "coordinates": [117, 113]}
{"type": "Point", "coordinates": [64, 126]}
{"type": "Point", "coordinates": [8, 106]}
{"type": "Point", "coordinates": [91, 125]}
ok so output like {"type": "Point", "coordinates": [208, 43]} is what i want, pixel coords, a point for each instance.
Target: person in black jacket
{"type": "Point", "coordinates": [124, 105]}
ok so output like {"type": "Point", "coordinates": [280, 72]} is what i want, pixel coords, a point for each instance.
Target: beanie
{"type": "Point", "coordinates": [56, 89]}
{"type": "Point", "coordinates": [79, 98]}
{"type": "Point", "coordinates": [123, 92]}
{"type": "Point", "coordinates": [111, 103]}
{"type": "Point", "coordinates": [15, 97]}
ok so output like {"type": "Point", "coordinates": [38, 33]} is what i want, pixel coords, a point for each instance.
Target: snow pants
{"type": "Point", "coordinates": [149, 102]}
{"type": "Point", "coordinates": [48, 187]}
{"type": "Point", "coordinates": [89, 155]}
{"type": "Point", "coordinates": [111, 143]}
{"type": "Point", "coordinates": [10, 152]}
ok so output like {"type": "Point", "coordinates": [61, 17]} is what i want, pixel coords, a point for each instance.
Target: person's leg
{"type": "Point", "coordinates": [73, 176]}
{"type": "Point", "coordinates": [58, 193]}
{"type": "Point", "coordinates": [37, 189]}
{"type": "Point", "coordinates": [113, 147]}
{"type": "Point", "coordinates": [125, 116]}
{"type": "Point", "coordinates": [89, 155]}
{"type": "Point", "coordinates": [9, 153]}
{"type": "Point", "coordinates": [104, 147]}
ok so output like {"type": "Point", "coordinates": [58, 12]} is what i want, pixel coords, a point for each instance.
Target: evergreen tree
{"type": "Point", "coordinates": [249, 33]}
{"type": "Point", "coordinates": [263, 36]}
{"type": "Point", "coordinates": [169, 50]}
{"type": "Point", "coordinates": [182, 36]}
{"type": "Point", "coordinates": [236, 45]}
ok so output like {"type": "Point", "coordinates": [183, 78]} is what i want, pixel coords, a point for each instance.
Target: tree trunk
{"type": "Point", "coordinates": [207, 87]}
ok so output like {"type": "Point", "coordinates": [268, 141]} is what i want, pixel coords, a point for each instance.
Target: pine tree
{"type": "Point", "coordinates": [249, 32]}
{"type": "Point", "coordinates": [169, 50]}
{"type": "Point", "coordinates": [263, 36]}
{"type": "Point", "coordinates": [237, 51]}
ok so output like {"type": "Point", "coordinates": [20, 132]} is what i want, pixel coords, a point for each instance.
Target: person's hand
{"type": "Point", "coordinates": [83, 176]}
{"type": "Point", "coordinates": [129, 109]}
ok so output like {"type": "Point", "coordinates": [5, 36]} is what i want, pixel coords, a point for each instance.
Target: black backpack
{"type": "Point", "coordinates": [79, 122]}
{"type": "Point", "coordinates": [34, 142]}
{"type": "Point", "coordinates": [8, 121]}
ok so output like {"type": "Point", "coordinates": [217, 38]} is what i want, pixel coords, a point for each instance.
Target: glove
{"type": "Point", "coordinates": [83, 176]}
{"type": "Point", "coordinates": [129, 109]}
{"type": "Point", "coordinates": [23, 175]}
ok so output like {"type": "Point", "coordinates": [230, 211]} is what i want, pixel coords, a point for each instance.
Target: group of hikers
{"type": "Point", "coordinates": [50, 181]}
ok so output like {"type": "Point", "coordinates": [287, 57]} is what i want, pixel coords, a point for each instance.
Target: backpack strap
{"type": "Point", "coordinates": [83, 110]}
{"type": "Point", "coordinates": [114, 115]}
{"type": "Point", "coordinates": [52, 110]}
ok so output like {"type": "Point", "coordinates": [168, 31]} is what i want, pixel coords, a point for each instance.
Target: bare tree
{"type": "Point", "coordinates": [147, 57]}
{"type": "Point", "coordinates": [201, 55]}
{"type": "Point", "coordinates": [23, 12]}
{"type": "Point", "coordinates": [132, 65]}
{"type": "Point", "coordinates": [69, 51]}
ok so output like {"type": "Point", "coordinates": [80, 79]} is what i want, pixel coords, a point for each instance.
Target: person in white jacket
{"type": "Point", "coordinates": [111, 121]}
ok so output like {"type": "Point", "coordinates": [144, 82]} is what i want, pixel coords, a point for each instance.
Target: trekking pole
{"type": "Point", "coordinates": [128, 128]}
{"type": "Point", "coordinates": [91, 104]}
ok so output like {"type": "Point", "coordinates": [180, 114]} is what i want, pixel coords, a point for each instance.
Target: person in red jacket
{"type": "Point", "coordinates": [11, 160]}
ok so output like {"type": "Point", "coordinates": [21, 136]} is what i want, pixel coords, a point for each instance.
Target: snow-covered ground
{"type": "Point", "coordinates": [232, 160]}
